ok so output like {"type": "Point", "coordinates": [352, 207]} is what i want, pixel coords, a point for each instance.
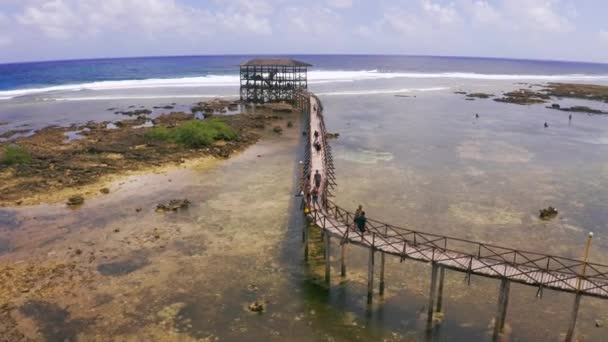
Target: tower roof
{"type": "Point", "coordinates": [275, 62]}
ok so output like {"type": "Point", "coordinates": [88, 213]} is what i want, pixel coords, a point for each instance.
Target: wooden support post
{"type": "Point", "coordinates": [306, 238]}
{"type": "Point", "coordinates": [382, 261]}
{"type": "Point", "coordinates": [570, 334]}
{"type": "Point", "coordinates": [431, 307]}
{"type": "Point", "coordinates": [327, 256]}
{"type": "Point", "coordinates": [343, 260]}
{"type": "Point", "coordinates": [370, 275]}
{"type": "Point", "coordinates": [505, 305]}
{"type": "Point", "coordinates": [503, 302]}
{"type": "Point", "coordinates": [440, 289]}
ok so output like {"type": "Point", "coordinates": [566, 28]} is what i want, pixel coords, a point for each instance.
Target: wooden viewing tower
{"type": "Point", "coordinates": [272, 80]}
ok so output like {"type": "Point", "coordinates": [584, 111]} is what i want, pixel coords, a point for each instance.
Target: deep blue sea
{"type": "Point", "coordinates": [222, 70]}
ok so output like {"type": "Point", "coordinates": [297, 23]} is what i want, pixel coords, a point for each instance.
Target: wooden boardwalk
{"type": "Point", "coordinates": [470, 257]}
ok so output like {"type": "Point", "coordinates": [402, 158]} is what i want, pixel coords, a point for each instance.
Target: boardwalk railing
{"type": "Point", "coordinates": [443, 252]}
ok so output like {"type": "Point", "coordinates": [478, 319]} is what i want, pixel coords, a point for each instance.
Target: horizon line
{"type": "Point", "coordinates": [303, 54]}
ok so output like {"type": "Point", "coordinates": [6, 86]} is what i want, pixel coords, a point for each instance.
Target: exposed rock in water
{"type": "Point", "coordinates": [524, 97]}
{"type": "Point", "coordinates": [277, 129]}
{"type": "Point", "coordinates": [480, 95]}
{"type": "Point", "coordinates": [136, 112]}
{"type": "Point", "coordinates": [75, 201]}
{"type": "Point", "coordinates": [548, 213]}
{"type": "Point", "coordinates": [460, 92]}
{"type": "Point", "coordinates": [9, 134]}
{"type": "Point", "coordinates": [289, 124]}
{"type": "Point", "coordinates": [578, 91]}
{"type": "Point", "coordinates": [173, 205]}
{"type": "Point", "coordinates": [599, 323]}
{"type": "Point", "coordinates": [172, 119]}
{"type": "Point", "coordinates": [215, 106]}
{"type": "Point", "coordinates": [104, 191]}
{"type": "Point", "coordinates": [578, 109]}
{"type": "Point", "coordinates": [331, 136]}
{"type": "Point", "coordinates": [256, 307]}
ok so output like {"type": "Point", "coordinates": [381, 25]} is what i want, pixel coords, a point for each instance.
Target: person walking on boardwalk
{"type": "Point", "coordinates": [316, 135]}
{"type": "Point", "coordinates": [317, 179]}
{"type": "Point", "coordinates": [315, 196]}
{"type": "Point", "coordinates": [358, 211]}
{"type": "Point", "coordinates": [360, 221]}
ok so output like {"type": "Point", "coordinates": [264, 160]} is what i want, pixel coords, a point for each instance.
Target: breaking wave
{"type": "Point", "coordinates": [381, 91]}
{"type": "Point", "coordinates": [315, 77]}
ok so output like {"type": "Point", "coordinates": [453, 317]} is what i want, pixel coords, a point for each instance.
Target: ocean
{"type": "Point", "coordinates": [21, 79]}
{"type": "Point", "coordinates": [411, 151]}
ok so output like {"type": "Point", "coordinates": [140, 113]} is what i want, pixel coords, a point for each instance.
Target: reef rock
{"type": "Point", "coordinates": [256, 307]}
{"type": "Point", "coordinates": [75, 201]}
{"type": "Point", "coordinates": [548, 213]}
{"type": "Point", "coordinates": [173, 205]}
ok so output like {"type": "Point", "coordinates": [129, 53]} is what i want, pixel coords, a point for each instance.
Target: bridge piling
{"type": "Point", "coordinates": [440, 289]}
{"type": "Point", "coordinates": [306, 237]}
{"type": "Point", "coordinates": [382, 261]}
{"type": "Point", "coordinates": [573, 317]}
{"type": "Point", "coordinates": [343, 259]}
{"type": "Point", "coordinates": [327, 242]}
{"type": "Point", "coordinates": [370, 275]}
{"type": "Point", "coordinates": [503, 302]}
{"type": "Point", "coordinates": [431, 306]}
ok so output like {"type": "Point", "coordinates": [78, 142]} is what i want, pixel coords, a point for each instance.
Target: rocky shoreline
{"type": "Point", "coordinates": [549, 92]}
{"type": "Point", "coordinates": [60, 158]}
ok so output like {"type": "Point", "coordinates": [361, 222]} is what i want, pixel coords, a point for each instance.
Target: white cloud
{"type": "Point", "coordinates": [341, 3]}
{"type": "Point", "coordinates": [424, 20]}
{"type": "Point", "coordinates": [66, 19]}
{"type": "Point", "coordinates": [538, 15]}
{"type": "Point", "coordinates": [5, 39]}
{"type": "Point", "coordinates": [483, 13]}
{"type": "Point", "coordinates": [316, 21]}
{"type": "Point", "coordinates": [604, 36]}
{"type": "Point", "coordinates": [55, 18]}
{"type": "Point", "coordinates": [443, 14]}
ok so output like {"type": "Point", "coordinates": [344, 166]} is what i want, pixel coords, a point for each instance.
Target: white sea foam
{"type": "Point", "coordinates": [138, 97]}
{"type": "Point", "coordinates": [314, 77]}
{"type": "Point", "coordinates": [381, 91]}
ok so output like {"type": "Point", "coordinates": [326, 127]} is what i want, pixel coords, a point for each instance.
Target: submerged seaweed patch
{"type": "Point", "coordinates": [123, 267]}
{"type": "Point", "coordinates": [54, 322]}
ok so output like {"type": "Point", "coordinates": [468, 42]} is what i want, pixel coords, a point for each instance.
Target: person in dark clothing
{"type": "Point", "coordinates": [360, 222]}
{"type": "Point", "coordinates": [317, 146]}
{"type": "Point", "coordinates": [317, 179]}
{"type": "Point", "coordinates": [315, 196]}
{"type": "Point", "coordinates": [358, 211]}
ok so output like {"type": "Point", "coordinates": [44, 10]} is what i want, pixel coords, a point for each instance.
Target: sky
{"type": "Point", "coordinates": [33, 30]}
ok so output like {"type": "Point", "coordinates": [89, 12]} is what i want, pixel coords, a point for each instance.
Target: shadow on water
{"type": "Point", "coordinates": [54, 322]}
